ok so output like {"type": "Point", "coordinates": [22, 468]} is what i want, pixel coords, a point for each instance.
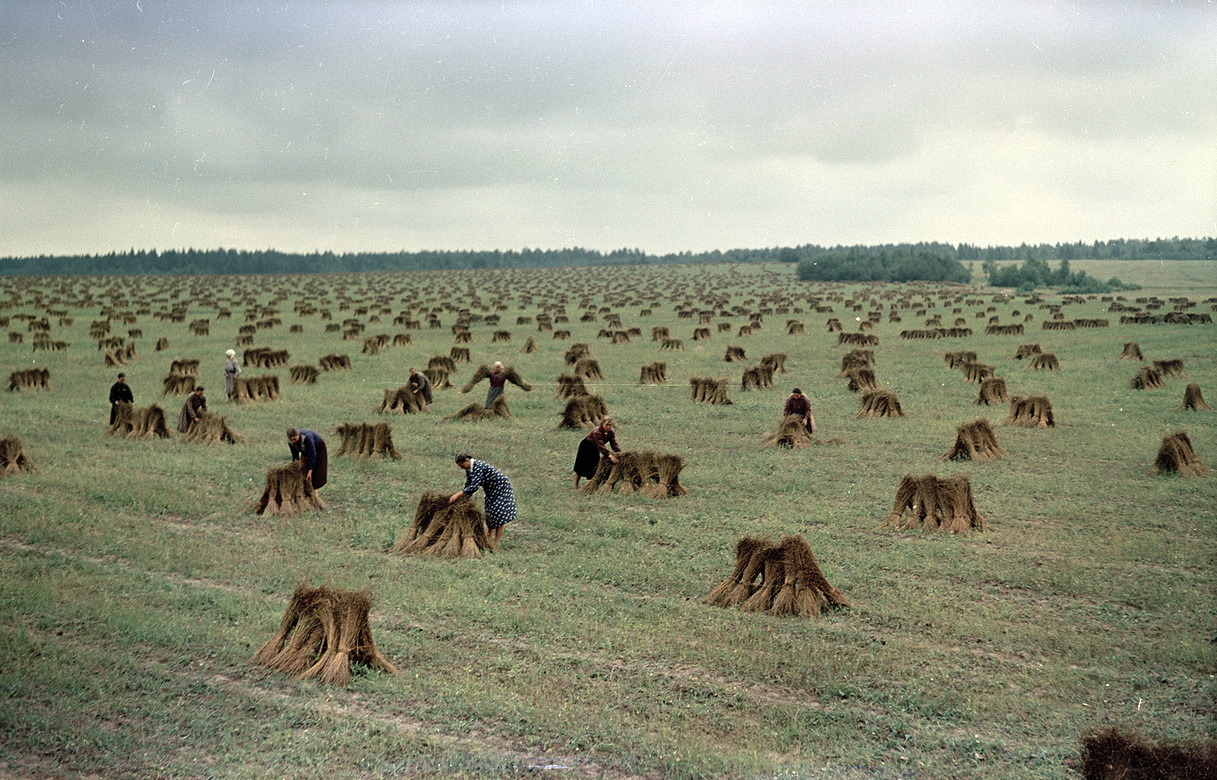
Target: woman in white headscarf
{"type": "Point", "coordinates": [232, 370]}
{"type": "Point", "coordinates": [498, 377]}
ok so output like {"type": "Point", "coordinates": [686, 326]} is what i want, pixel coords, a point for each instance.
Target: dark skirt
{"type": "Point", "coordinates": [587, 460]}
{"type": "Point", "coordinates": [321, 470]}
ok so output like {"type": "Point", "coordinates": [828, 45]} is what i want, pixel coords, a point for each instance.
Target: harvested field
{"type": "Point", "coordinates": [138, 581]}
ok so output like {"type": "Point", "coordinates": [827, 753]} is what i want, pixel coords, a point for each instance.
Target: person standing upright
{"type": "Point", "coordinates": [497, 378]}
{"type": "Point", "coordinates": [232, 370]}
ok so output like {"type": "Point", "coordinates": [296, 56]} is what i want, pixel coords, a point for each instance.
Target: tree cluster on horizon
{"type": "Point", "coordinates": [929, 257]}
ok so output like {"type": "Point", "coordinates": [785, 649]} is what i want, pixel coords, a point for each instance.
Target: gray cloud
{"type": "Point", "coordinates": [667, 126]}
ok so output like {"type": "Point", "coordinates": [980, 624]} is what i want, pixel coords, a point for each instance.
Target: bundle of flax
{"type": "Point", "coordinates": [936, 504]}
{"type": "Point", "coordinates": [475, 412]}
{"type": "Point", "coordinates": [144, 423]}
{"type": "Point", "coordinates": [653, 474]}
{"type": "Point", "coordinates": [211, 429]}
{"type": "Point", "coordinates": [791, 433]}
{"type": "Point", "coordinates": [1177, 455]}
{"type": "Point", "coordinates": [323, 632]}
{"type": "Point", "coordinates": [445, 530]}
{"type": "Point", "coordinates": [287, 492]}
{"type": "Point", "coordinates": [791, 582]}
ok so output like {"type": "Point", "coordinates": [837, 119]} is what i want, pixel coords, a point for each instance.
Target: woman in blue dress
{"type": "Point", "coordinates": [500, 497]}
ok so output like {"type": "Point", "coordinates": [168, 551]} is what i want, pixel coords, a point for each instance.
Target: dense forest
{"type": "Point", "coordinates": [1034, 274]}
{"type": "Point", "coordinates": [898, 259]}
{"type": "Point", "coordinates": [882, 265]}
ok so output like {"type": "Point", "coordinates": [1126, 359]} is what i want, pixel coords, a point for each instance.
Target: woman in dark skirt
{"type": "Point", "coordinates": [595, 446]}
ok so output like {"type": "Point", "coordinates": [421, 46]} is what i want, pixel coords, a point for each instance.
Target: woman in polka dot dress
{"type": "Point", "coordinates": [500, 497]}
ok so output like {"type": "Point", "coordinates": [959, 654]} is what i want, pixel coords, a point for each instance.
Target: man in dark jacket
{"type": "Point", "coordinates": [120, 391]}
{"type": "Point", "coordinates": [420, 385]}
{"type": "Point", "coordinates": [309, 447]}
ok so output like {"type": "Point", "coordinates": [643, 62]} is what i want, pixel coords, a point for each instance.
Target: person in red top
{"type": "Point", "coordinates": [799, 404]}
{"type": "Point", "coordinates": [600, 443]}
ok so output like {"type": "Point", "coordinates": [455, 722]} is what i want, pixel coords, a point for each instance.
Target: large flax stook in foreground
{"type": "Point", "coordinates": [323, 632]}
{"type": "Point", "coordinates": [653, 474]}
{"type": "Point", "coordinates": [790, 580]}
{"type": "Point", "coordinates": [1116, 753]}
{"type": "Point", "coordinates": [935, 504]}
{"type": "Point", "coordinates": [288, 492]}
{"type": "Point", "coordinates": [1176, 454]}
{"type": "Point", "coordinates": [445, 530]}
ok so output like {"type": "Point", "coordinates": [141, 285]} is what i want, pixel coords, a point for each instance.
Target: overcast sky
{"type": "Point", "coordinates": [664, 126]}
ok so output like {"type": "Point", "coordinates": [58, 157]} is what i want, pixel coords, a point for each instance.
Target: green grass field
{"type": "Point", "coordinates": [136, 580]}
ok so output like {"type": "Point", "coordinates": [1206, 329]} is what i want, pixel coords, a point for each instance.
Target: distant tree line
{"type": "Point", "coordinates": [1037, 273]}
{"type": "Point", "coordinates": [893, 262]}
{"type": "Point", "coordinates": [883, 265]}
{"type": "Point", "coordinates": [270, 261]}
{"type": "Point", "coordinates": [1118, 249]}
